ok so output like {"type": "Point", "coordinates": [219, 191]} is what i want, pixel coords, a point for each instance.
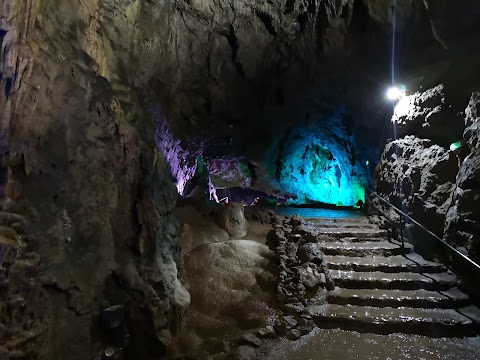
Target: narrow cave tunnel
{"type": "Point", "coordinates": [233, 179]}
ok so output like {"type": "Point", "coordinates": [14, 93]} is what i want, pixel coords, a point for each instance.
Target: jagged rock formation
{"type": "Point", "coordinates": [432, 184]}
{"type": "Point", "coordinates": [418, 177]}
{"type": "Point", "coordinates": [427, 114]}
{"type": "Point", "coordinates": [461, 228]}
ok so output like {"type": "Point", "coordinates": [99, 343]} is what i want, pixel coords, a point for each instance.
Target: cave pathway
{"type": "Point", "coordinates": [384, 288]}
{"type": "Point", "coordinates": [388, 301]}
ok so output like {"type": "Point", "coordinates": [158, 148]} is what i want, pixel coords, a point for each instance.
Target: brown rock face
{"type": "Point", "coordinates": [87, 207]}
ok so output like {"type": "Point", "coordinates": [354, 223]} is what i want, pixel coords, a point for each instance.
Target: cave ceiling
{"type": "Point", "coordinates": [236, 77]}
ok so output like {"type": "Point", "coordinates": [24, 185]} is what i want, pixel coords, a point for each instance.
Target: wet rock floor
{"type": "Point", "coordinates": [336, 344]}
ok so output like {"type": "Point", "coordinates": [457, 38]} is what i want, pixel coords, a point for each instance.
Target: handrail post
{"type": "Point", "coordinates": [402, 226]}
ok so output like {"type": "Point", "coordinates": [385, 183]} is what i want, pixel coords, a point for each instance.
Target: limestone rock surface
{"type": "Point", "coordinates": [231, 218]}
{"type": "Point", "coordinates": [417, 177]}
{"type": "Point", "coordinates": [461, 228]}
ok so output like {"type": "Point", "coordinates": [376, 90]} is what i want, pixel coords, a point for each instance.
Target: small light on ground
{"type": "Point", "coordinates": [455, 146]}
{"type": "Point", "coordinates": [367, 162]}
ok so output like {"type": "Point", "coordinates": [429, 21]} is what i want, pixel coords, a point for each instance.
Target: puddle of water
{"type": "Point", "coordinates": [319, 213]}
{"type": "Point", "coordinates": [338, 344]}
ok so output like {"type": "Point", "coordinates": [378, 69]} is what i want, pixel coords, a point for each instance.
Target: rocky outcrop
{"type": "Point", "coordinates": [302, 277]}
{"type": "Point", "coordinates": [417, 177]}
{"type": "Point", "coordinates": [227, 280]}
{"type": "Point", "coordinates": [461, 228]}
{"type": "Point", "coordinates": [433, 185]}
{"type": "Point", "coordinates": [435, 114]}
{"type": "Point", "coordinates": [231, 218]}
{"type": "Point", "coordinates": [90, 198]}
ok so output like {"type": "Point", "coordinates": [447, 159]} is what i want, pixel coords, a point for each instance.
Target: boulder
{"type": "Point", "coordinates": [309, 277]}
{"type": "Point", "coordinates": [294, 334]}
{"type": "Point", "coordinates": [232, 219]}
{"type": "Point", "coordinates": [310, 252]}
{"type": "Point", "coordinates": [267, 332]}
{"type": "Point", "coordinates": [296, 220]}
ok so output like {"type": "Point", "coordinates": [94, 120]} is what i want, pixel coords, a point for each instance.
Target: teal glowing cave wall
{"type": "Point", "coordinates": [319, 164]}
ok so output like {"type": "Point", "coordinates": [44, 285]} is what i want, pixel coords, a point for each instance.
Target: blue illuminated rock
{"type": "Point", "coordinates": [318, 164]}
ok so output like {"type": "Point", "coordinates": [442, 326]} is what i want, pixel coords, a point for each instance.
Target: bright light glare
{"type": "Point", "coordinates": [395, 93]}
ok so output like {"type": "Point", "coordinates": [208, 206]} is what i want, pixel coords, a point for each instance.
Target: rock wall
{"type": "Point", "coordinates": [87, 208]}
{"type": "Point", "coordinates": [436, 186]}
{"type": "Point", "coordinates": [462, 227]}
{"type": "Point", "coordinates": [417, 177]}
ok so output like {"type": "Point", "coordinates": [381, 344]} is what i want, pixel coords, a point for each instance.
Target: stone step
{"type": "Point", "coordinates": [398, 263]}
{"type": "Point", "coordinates": [344, 239]}
{"type": "Point", "coordinates": [366, 248]}
{"type": "Point", "coordinates": [452, 298]}
{"type": "Point", "coordinates": [343, 233]}
{"type": "Point", "coordinates": [400, 281]}
{"type": "Point", "coordinates": [387, 320]}
{"type": "Point", "coordinates": [344, 220]}
{"type": "Point", "coordinates": [343, 225]}
{"type": "Point", "coordinates": [347, 227]}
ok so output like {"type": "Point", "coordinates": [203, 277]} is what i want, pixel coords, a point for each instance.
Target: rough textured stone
{"type": "Point", "coordinates": [244, 352]}
{"type": "Point", "coordinates": [434, 114]}
{"type": "Point", "coordinates": [267, 332]}
{"type": "Point", "coordinates": [437, 187]}
{"type": "Point", "coordinates": [296, 220]}
{"type": "Point", "coordinates": [294, 334]}
{"type": "Point", "coordinates": [251, 340]}
{"type": "Point", "coordinates": [309, 277]}
{"type": "Point", "coordinates": [79, 158]}
{"type": "Point", "coordinates": [310, 252]}
{"type": "Point", "coordinates": [418, 178]}
{"type": "Point", "coordinates": [461, 228]}
{"type": "Point", "coordinates": [232, 219]}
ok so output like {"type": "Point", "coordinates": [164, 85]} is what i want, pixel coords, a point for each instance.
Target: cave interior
{"type": "Point", "coordinates": [177, 177]}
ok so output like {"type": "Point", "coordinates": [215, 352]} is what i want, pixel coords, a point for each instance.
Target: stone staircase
{"type": "Point", "coordinates": [383, 288]}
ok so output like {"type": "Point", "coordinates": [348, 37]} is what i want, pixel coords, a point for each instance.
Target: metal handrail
{"type": "Point", "coordinates": [465, 257]}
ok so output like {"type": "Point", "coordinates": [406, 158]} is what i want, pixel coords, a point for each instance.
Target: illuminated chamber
{"type": "Point", "coordinates": [320, 165]}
